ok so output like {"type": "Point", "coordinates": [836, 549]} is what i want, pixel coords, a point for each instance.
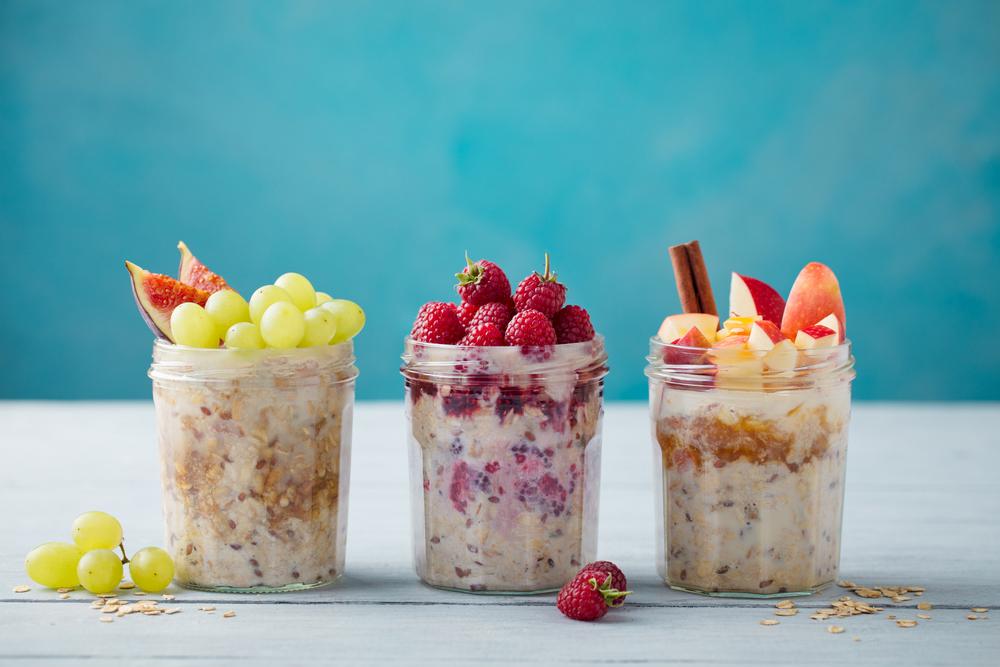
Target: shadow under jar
{"type": "Point", "coordinates": [255, 461]}
{"type": "Point", "coordinates": [504, 446]}
{"type": "Point", "coordinates": [749, 469]}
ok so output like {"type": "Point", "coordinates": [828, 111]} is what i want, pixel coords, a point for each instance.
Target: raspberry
{"type": "Point", "coordinates": [482, 282]}
{"type": "Point", "coordinates": [465, 313]}
{"type": "Point", "coordinates": [437, 322]}
{"type": "Point", "coordinates": [618, 581]}
{"type": "Point", "coordinates": [586, 598]}
{"type": "Point", "coordinates": [572, 325]}
{"type": "Point", "coordinates": [485, 334]}
{"type": "Point", "coordinates": [540, 292]}
{"type": "Point", "coordinates": [497, 313]}
{"type": "Point", "coordinates": [530, 327]}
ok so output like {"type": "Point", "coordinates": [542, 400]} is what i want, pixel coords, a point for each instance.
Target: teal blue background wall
{"type": "Point", "coordinates": [369, 144]}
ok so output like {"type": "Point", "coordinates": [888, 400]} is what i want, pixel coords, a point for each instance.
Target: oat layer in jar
{"type": "Point", "coordinates": [255, 460]}
{"type": "Point", "coordinates": [504, 446]}
{"type": "Point", "coordinates": [749, 467]}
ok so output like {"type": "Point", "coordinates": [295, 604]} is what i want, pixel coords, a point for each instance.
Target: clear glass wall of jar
{"type": "Point", "coordinates": [255, 460]}
{"type": "Point", "coordinates": [749, 467]}
{"type": "Point", "coordinates": [504, 447]}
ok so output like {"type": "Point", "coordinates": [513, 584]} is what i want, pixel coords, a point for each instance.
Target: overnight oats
{"type": "Point", "coordinates": [254, 406]}
{"type": "Point", "coordinates": [504, 402]}
{"type": "Point", "coordinates": [750, 429]}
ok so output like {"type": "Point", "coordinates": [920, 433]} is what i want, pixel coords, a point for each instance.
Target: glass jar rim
{"type": "Point", "coordinates": [814, 367]}
{"type": "Point", "coordinates": [172, 362]}
{"type": "Point", "coordinates": [468, 364]}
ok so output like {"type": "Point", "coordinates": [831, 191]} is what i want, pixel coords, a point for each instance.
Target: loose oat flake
{"type": "Point", "coordinates": [172, 610]}
{"type": "Point", "coordinates": [769, 621]}
{"type": "Point", "coordinates": [126, 586]}
{"type": "Point", "coordinates": [835, 629]}
{"type": "Point", "coordinates": [924, 617]}
{"type": "Point", "coordinates": [979, 610]}
{"type": "Point", "coordinates": [107, 619]}
{"type": "Point", "coordinates": [64, 596]}
{"type": "Point", "coordinates": [22, 589]}
{"type": "Point", "coordinates": [924, 606]}
{"type": "Point", "coordinates": [786, 612]}
{"type": "Point", "coordinates": [906, 623]}
{"type": "Point", "coordinates": [167, 596]}
{"type": "Point", "coordinates": [206, 609]}
{"type": "Point", "coordinates": [229, 614]}
{"type": "Point", "coordinates": [972, 617]}
{"type": "Point", "coordinates": [785, 604]}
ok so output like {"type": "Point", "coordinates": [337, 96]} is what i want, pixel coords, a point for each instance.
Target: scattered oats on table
{"type": "Point", "coordinates": [63, 590]}
{"type": "Point", "coordinates": [786, 612]}
{"type": "Point", "coordinates": [835, 629]}
{"type": "Point", "coordinates": [208, 609]}
{"type": "Point", "coordinates": [106, 619]}
{"type": "Point", "coordinates": [906, 623]}
{"type": "Point", "coordinates": [979, 610]}
{"type": "Point", "coordinates": [167, 596]}
{"type": "Point", "coordinates": [785, 604]}
{"type": "Point", "coordinates": [172, 610]}
{"type": "Point", "coordinates": [22, 589]}
{"type": "Point", "coordinates": [126, 585]}
{"type": "Point", "coordinates": [924, 606]}
{"type": "Point", "coordinates": [64, 596]}
{"type": "Point", "coordinates": [229, 614]}
{"type": "Point", "coordinates": [769, 621]}
{"type": "Point", "coordinates": [924, 617]}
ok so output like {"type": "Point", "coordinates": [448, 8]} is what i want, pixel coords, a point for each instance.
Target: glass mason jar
{"type": "Point", "coordinates": [255, 459]}
{"type": "Point", "coordinates": [504, 448]}
{"type": "Point", "coordinates": [749, 468]}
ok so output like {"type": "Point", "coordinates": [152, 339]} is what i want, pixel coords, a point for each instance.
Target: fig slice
{"type": "Point", "coordinates": [192, 272]}
{"type": "Point", "coordinates": [157, 295]}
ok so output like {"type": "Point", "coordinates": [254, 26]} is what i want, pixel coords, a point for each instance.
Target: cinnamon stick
{"type": "Point", "coordinates": [702, 284]}
{"type": "Point", "coordinates": [691, 274]}
{"type": "Point", "coordinates": [685, 280]}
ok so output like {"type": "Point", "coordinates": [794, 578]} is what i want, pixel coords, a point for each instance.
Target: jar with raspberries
{"type": "Point", "coordinates": [504, 399]}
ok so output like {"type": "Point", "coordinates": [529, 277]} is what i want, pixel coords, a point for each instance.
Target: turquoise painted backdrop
{"type": "Point", "coordinates": [369, 144]}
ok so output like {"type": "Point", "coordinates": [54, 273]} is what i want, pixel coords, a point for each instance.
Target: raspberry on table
{"type": "Point", "coordinates": [485, 334]}
{"type": "Point", "coordinates": [586, 597]}
{"type": "Point", "coordinates": [437, 322]}
{"type": "Point", "coordinates": [466, 311]}
{"type": "Point", "coordinates": [572, 325]}
{"type": "Point", "coordinates": [540, 292]}
{"type": "Point", "coordinates": [530, 327]}
{"type": "Point", "coordinates": [482, 282]}
{"type": "Point", "coordinates": [497, 313]}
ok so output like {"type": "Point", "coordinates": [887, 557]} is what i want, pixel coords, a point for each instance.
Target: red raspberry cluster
{"type": "Point", "coordinates": [488, 315]}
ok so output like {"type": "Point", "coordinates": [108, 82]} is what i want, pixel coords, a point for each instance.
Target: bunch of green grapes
{"type": "Point", "coordinates": [91, 561]}
{"type": "Point", "coordinates": [288, 314]}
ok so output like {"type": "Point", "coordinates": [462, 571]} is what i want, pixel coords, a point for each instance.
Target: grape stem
{"type": "Point", "coordinates": [121, 545]}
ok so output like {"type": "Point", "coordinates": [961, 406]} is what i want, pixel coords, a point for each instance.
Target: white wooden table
{"type": "Point", "coordinates": [923, 501]}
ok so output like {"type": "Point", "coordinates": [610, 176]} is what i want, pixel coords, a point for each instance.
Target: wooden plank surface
{"type": "Point", "coordinates": [923, 499]}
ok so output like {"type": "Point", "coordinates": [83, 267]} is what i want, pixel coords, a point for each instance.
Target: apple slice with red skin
{"type": "Point", "coordinates": [749, 297]}
{"type": "Point", "coordinates": [676, 326]}
{"type": "Point", "coordinates": [689, 349]}
{"type": "Point", "coordinates": [157, 295]}
{"type": "Point", "coordinates": [192, 272]}
{"type": "Point", "coordinates": [815, 295]}
{"type": "Point", "coordinates": [764, 335]}
{"type": "Point", "coordinates": [815, 337]}
{"type": "Point", "coordinates": [831, 322]}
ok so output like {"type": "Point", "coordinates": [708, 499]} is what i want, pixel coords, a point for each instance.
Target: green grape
{"type": "Point", "coordinates": [151, 569]}
{"type": "Point", "coordinates": [263, 298]}
{"type": "Point", "coordinates": [349, 317]}
{"type": "Point", "coordinates": [96, 530]}
{"type": "Point", "coordinates": [227, 308]}
{"type": "Point", "coordinates": [322, 297]}
{"type": "Point", "coordinates": [301, 290]}
{"type": "Point", "coordinates": [53, 564]}
{"type": "Point", "coordinates": [244, 336]}
{"type": "Point", "coordinates": [282, 325]}
{"type": "Point", "coordinates": [320, 327]}
{"type": "Point", "coordinates": [100, 571]}
{"type": "Point", "coordinates": [192, 326]}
